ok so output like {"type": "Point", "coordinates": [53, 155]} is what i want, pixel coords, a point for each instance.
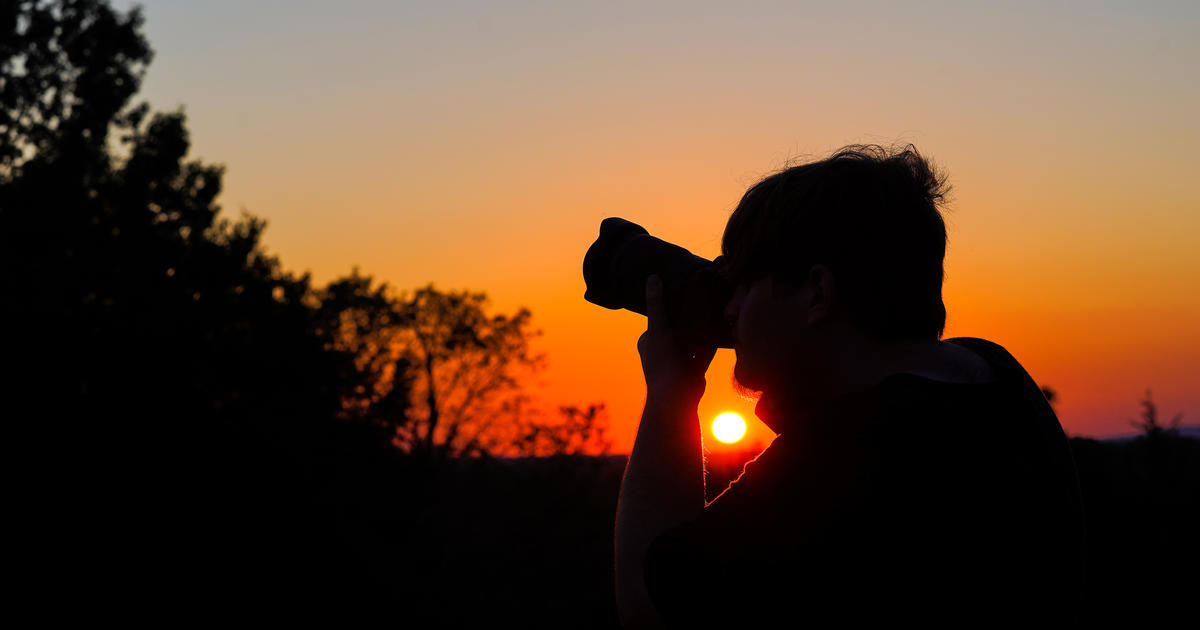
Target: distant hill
{"type": "Point", "coordinates": [1190, 431]}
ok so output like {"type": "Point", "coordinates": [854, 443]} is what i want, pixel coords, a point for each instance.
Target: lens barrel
{"type": "Point", "coordinates": [696, 290]}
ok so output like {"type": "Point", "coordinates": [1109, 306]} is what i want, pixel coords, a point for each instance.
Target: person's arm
{"type": "Point", "coordinates": [663, 484]}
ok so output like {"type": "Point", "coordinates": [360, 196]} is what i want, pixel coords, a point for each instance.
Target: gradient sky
{"type": "Point", "coordinates": [479, 144]}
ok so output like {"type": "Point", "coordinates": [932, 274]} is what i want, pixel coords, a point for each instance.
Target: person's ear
{"type": "Point", "coordinates": [821, 285]}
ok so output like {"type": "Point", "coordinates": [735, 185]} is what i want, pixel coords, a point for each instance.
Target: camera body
{"type": "Point", "coordinates": [696, 290]}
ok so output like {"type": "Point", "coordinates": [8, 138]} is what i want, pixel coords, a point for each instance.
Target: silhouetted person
{"type": "Point", "coordinates": [912, 477]}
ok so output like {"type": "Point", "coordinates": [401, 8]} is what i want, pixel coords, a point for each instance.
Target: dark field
{"type": "Point", "coordinates": [529, 541]}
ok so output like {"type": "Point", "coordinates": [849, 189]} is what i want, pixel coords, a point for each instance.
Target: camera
{"type": "Point", "coordinates": [696, 290]}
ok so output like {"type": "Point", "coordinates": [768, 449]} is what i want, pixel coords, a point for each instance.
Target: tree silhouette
{"type": "Point", "coordinates": [181, 388]}
{"type": "Point", "coordinates": [468, 368]}
{"type": "Point", "coordinates": [448, 378]}
{"type": "Point", "coordinates": [363, 322]}
{"type": "Point", "coordinates": [117, 265]}
{"type": "Point", "coordinates": [69, 68]}
{"type": "Point", "coordinates": [577, 432]}
{"type": "Point", "coordinates": [175, 387]}
{"type": "Point", "coordinates": [115, 255]}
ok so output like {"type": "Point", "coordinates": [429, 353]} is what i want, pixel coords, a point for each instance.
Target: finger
{"type": "Point", "coordinates": [656, 311]}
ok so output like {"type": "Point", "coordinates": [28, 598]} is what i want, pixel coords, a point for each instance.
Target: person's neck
{"type": "Point", "coordinates": [856, 363]}
{"type": "Point", "coordinates": [853, 364]}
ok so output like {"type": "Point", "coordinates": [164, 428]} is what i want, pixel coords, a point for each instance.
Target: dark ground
{"type": "Point", "coordinates": [240, 529]}
{"type": "Point", "coordinates": [530, 541]}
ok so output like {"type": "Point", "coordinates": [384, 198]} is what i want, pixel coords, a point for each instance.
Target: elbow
{"type": "Point", "coordinates": [636, 612]}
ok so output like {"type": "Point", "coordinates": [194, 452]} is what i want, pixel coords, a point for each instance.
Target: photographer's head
{"type": "Point", "coordinates": [836, 262]}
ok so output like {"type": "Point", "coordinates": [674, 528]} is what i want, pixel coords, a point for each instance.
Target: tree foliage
{"type": "Point", "coordinates": [578, 431]}
{"type": "Point", "coordinates": [469, 369]}
{"type": "Point", "coordinates": [116, 255]}
{"type": "Point", "coordinates": [177, 388]}
{"type": "Point", "coordinates": [447, 377]}
{"type": "Point", "coordinates": [69, 68]}
{"type": "Point", "coordinates": [146, 303]}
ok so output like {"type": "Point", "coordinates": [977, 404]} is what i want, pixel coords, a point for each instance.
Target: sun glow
{"type": "Point", "coordinates": [729, 427]}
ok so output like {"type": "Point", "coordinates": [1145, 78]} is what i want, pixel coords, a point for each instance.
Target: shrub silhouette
{"type": "Point", "coordinates": [1149, 421]}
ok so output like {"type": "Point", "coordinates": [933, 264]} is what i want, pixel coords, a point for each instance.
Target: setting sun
{"type": "Point", "coordinates": [729, 427]}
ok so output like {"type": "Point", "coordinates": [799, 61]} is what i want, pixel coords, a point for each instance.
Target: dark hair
{"type": "Point", "coordinates": [868, 213]}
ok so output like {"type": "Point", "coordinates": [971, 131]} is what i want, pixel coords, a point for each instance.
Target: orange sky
{"type": "Point", "coordinates": [479, 147]}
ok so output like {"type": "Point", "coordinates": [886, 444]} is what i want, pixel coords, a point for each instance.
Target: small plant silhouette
{"type": "Point", "coordinates": [1149, 422]}
{"type": "Point", "coordinates": [1050, 393]}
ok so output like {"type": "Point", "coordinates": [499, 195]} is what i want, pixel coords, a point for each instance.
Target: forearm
{"type": "Point", "coordinates": [663, 486]}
